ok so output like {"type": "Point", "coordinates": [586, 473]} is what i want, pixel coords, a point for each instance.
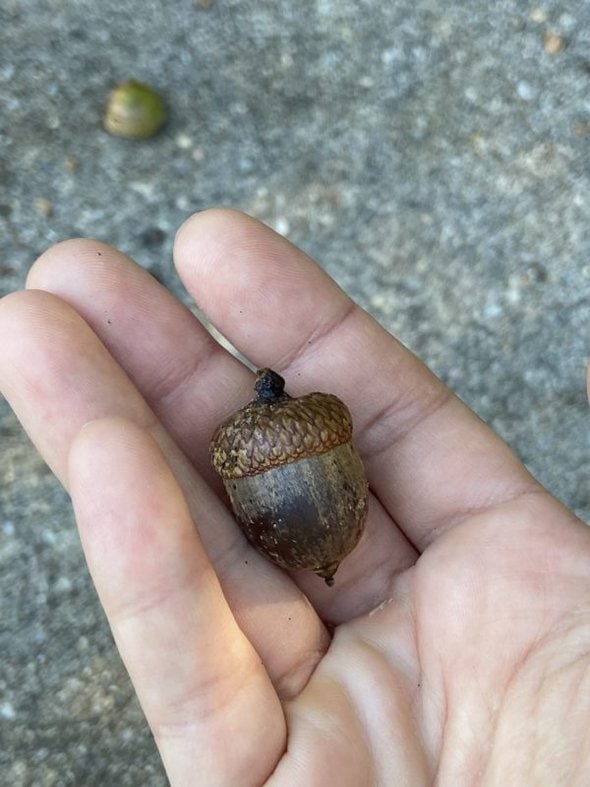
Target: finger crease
{"type": "Point", "coordinates": [318, 335]}
{"type": "Point", "coordinates": [292, 682]}
{"type": "Point", "coordinates": [205, 700]}
{"type": "Point", "coordinates": [171, 385]}
{"type": "Point", "coordinates": [522, 490]}
{"type": "Point", "coordinates": [389, 425]}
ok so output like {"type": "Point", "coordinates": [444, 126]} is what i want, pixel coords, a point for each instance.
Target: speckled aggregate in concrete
{"type": "Point", "coordinates": [433, 156]}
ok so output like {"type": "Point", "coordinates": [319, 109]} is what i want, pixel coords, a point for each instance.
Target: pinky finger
{"type": "Point", "coordinates": [198, 679]}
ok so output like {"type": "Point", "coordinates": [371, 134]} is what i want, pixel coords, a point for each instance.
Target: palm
{"type": "Point", "coordinates": [450, 677]}
{"type": "Point", "coordinates": [456, 636]}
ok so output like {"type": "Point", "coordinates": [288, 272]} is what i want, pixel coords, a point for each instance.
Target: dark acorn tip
{"type": "Point", "coordinates": [327, 573]}
{"type": "Point", "coordinates": [269, 385]}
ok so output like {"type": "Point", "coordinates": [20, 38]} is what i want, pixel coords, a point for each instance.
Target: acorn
{"type": "Point", "coordinates": [134, 110]}
{"type": "Point", "coordinates": [296, 484]}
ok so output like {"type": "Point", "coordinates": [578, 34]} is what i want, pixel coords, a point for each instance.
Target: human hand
{"type": "Point", "coordinates": [455, 645]}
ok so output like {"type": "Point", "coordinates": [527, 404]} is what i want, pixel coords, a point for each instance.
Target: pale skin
{"type": "Point", "coordinates": [454, 647]}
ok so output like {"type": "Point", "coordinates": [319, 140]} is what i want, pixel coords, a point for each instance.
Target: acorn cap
{"type": "Point", "coordinates": [275, 429]}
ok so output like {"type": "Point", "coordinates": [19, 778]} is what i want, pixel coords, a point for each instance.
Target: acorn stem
{"type": "Point", "coordinates": [270, 386]}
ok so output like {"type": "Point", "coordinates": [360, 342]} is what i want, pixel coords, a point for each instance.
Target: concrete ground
{"type": "Point", "coordinates": [433, 156]}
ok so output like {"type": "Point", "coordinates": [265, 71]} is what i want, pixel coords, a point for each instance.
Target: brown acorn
{"type": "Point", "coordinates": [296, 484]}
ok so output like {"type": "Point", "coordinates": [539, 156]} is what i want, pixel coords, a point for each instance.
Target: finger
{"type": "Point", "coordinates": [430, 459]}
{"type": "Point", "coordinates": [198, 679]}
{"type": "Point", "coordinates": [57, 376]}
{"type": "Point", "coordinates": [187, 378]}
{"type": "Point", "coordinates": [192, 384]}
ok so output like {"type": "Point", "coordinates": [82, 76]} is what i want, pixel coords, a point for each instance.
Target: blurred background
{"type": "Point", "coordinates": [434, 157]}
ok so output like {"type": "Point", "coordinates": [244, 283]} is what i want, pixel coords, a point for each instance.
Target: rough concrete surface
{"type": "Point", "coordinates": [433, 156]}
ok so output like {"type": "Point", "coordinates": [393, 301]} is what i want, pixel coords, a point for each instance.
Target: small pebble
{"type": "Point", "coordinates": [492, 310]}
{"type": "Point", "coordinates": [7, 711]}
{"type": "Point", "coordinates": [286, 60]}
{"type": "Point", "coordinates": [48, 537]}
{"type": "Point", "coordinates": [8, 528]}
{"type": "Point", "coordinates": [539, 15]}
{"type": "Point", "coordinates": [7, 71]}
{"type": "Point", "coordinates": [282, 225]}
{"type": "Point", "coordinates": [526, 91]}
{"type": "Point", "coordinates": [40, 635]}
{"type": "Point", "coordinates": [72, 164]}
{"type": "Point", "coordinates": [245, 165]}
{"type": "Point", "coordinates": [553, 43]}
{"type": "Point", "coordinates": [183, 141]}
{"type": "Point", "coordinates": [581, 128]}
{"type": "Point", "coordinates": [63, 585]}
{"type": "Point", "coordinates": [44, 207]}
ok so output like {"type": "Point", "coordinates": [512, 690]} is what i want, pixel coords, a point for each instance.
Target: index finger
{"type": "Point", "coordinates": [430, 459]}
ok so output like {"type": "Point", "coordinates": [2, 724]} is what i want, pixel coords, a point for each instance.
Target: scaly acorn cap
{"type": "Point", "coordinates": [276, 429]}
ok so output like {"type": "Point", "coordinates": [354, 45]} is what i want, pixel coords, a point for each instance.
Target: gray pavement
{"type": "Point", "coordinates": [433, 156]}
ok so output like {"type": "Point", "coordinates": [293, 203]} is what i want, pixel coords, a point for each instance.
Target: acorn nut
{"type": "Point", "coordinates": [296, 484]}
{"type": "Point", "coordinates": [134, 110]}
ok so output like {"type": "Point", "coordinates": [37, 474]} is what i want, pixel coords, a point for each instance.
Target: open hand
{"type": "Point", "coordinates": [454, 647]}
